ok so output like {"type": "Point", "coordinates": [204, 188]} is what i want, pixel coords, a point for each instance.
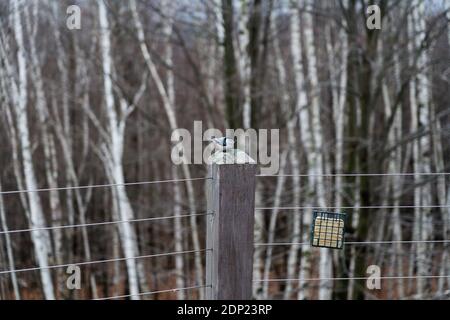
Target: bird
{"type": "Point", "coordinates": [223, 143]}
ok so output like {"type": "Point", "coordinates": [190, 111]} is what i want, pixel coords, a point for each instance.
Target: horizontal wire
{"type": "Point", "coordinates": [206, 178]}
{"type": "Point", "coordinates": [355, 207]}
{"type": "Point", "coordinates": [104, 185]}
{"type": "Point", "coordinates": [357, 174]}
{"type": "Point", "coordinates": [102, 223]}
{"type": "Point", "coordinates": [152, 292]}
{"type": "Point", "coordinates": [353, 242]}
{"type": "Point", "coordinates": [355, 278]}
{"type": "Point", "coordinates": [101, 261]}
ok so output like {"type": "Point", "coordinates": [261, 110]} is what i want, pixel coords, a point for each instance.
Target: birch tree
{"type": "Point", "coordinates": [244, 59]}
{"type": "Point", "coordinates": [178, 230]}
{"type": "Point", "coordinates": [3, 220]}
{"type": "Point", "coordinates": [169, 109]}
{"type": "Point", "coordinates": [306, 138]}
{"type": "Point", "coordinates": [293, 158]}
{"type": "Point", "coordinates": [68, 154]}
{"type": "Point", "coordinates": [9, 249]}
{"type": "Point", "coordinates": [421, 117]}
{"type": "Point", "coordinates": [317, 164]}
{"type": "Point", "coordinates": [111, 152]}
{"type": "Point", "coordinates": [19, 89]}
{"type": "Point", "coordinates": [47, 138]}
{"type": "Point", "coordinates": [395, 165]}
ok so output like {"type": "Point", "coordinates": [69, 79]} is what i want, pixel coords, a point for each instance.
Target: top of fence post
{"type": "Point", "coordinates": [231, 200]}
{"type": "Point", "coordinates": [234, 156]}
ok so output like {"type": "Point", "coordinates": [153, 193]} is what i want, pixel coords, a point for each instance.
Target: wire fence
{"type": "Point", "coordinates": [354, 207]}
{"type": "Point", "coordinates": [402, 174]}
{"type": "Point", "coordinates": [174, 290]}
{"type": "Point", "coordinates": [138, 183]}
{"type": "Point", "coordinates": [93, 224]}
{"type": "Point", "coordinates": [125, 184]}
{"type": "Point", "coordinates": [267, 244]}
{"type": "Point", "coordinates": [353, 278]}
{"type": "Point", "coordinates": [200, 214]}
{"type": "Point", "coordinates": [84, 263]}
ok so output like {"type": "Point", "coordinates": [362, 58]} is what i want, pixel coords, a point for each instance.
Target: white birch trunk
{"type": "Point", "coordinates": [272, 224]}
{"type": "Point", "coordinates": [178, 237]}
{"type": "Point", "coordinates": [338, 83]}
{"type": "Point", "coordinates": [47, 140]}
{"type": "Point", "coordinates": [215, 84]}
{"type": "Point", "coordinates": [12, 133]}
{"type": "Point", "coordinates": [397, 186]}
{"type": "Point", "coordinates": [82, 202]}
{"type": "Point", "coordinates": [293, 158]}
{"type": "Point", "coordinates": [178, 229]}
{"type": "Point", "coordinates": [395, 182]}
{"type": "Point", "coordinates": [339, 94]}
{"type": "Point", "coordinates": [292, 262]}
{"type": "Point", "coordinates": [170, 112]}
{"type": "Point", "coordinates": [244, 59]}
{"type": "Point", "coordinates": [423, 226]}
{"type": "Point", "coordinates": [443, 192]}
{"type": "Point", "coordinates": [415, 148]}
{"type": "Point", "coordinates": [306, 138]}
{"type": "Point", "coordinates": [62, 64]}
{"type": "Point", "coordinates": [115, 153]}
{"type": "Point", "coordinates": [40, 238]}
{"type": "Point", "coordinates": [259, 250]}
{"type": "Point", "coordinates": [325, 264]}
{"type": "Point", "coordinates": [9, 249]}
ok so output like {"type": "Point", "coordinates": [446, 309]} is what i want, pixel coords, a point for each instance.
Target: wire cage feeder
{"type": "Point", "coordinates": [327, 229]}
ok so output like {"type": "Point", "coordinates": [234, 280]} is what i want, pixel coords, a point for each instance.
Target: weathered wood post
{"type": "Point", "coordinates": [231, 200]}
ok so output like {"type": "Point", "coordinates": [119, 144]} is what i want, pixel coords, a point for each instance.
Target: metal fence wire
{"type": "Point", "coordinates": [327, 230]}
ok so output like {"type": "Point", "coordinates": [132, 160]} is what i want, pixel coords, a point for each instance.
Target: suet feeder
{"type": "Point", "coordinates": [327, 229]}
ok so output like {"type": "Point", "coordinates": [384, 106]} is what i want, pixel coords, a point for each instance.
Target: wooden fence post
{"type": "Point", "coordinates": [231, 200]}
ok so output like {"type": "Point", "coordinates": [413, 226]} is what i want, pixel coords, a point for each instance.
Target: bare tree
{"type": "Point", "coordinates": [19, 94]}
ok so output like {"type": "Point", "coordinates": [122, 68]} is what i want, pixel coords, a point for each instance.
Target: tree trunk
{"type": "Point", "coordinates": [9, 249]}
{"type": "Point", "coordinates": [170, 112]}
{"type": "Point", "coordinates": [114, 158]}
{"type": "Point", "coordinates": [40, 238]}
{"type": "Point", "coordinates": [325, 264]}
